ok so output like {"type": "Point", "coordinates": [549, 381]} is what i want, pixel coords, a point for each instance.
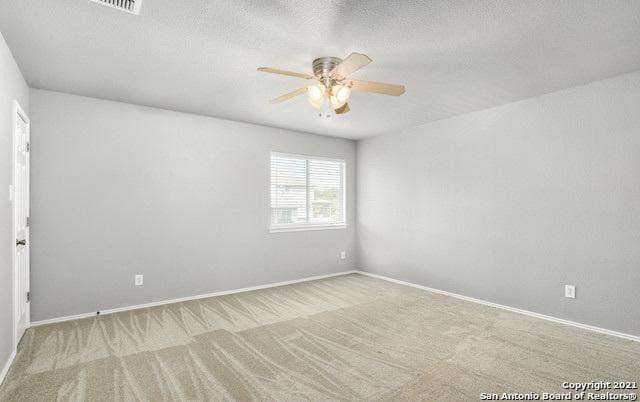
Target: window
{"type": "Point", "coordinates": [307, 192]}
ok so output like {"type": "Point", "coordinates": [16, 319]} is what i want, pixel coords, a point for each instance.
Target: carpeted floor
{"type": "Point", "coordinates": [344, 338]}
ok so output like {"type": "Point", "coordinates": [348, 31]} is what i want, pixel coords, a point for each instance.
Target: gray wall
{"type": "Point", "coordinates": [12, 87]}
{"type": "Point", "coordinates": [509, 204]}
{"type": "Point", "coordinates": [119, 189]}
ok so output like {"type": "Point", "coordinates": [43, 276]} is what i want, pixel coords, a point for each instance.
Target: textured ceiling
{"type": "Point", "coordinates": [200, 56]}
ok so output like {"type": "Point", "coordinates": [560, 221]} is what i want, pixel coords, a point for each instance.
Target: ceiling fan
{"type": "Point", "coordinates": [334, 82]}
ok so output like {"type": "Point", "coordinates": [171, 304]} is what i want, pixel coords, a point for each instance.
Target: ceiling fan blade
{"type": "Point", "coordinates": [377, 87]}
{"type": "Point", "coordinates": [353, 63]}
{"type": "Point", "coordinates": [289, 95]}
{"type": "Point", "coordinates": [284, 72]}
{"type": "Point", "coordinates": [342, 109]}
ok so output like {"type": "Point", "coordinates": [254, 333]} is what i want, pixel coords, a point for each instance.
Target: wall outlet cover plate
{"type": "Point", "coordinates": [570, 291]}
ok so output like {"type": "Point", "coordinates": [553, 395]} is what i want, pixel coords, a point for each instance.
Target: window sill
{"type": "Point", "coordinates": [303, 228]}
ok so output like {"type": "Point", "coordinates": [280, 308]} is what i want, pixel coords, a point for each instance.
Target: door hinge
{"type": "Point", "coordinates": [28, 223]}
{"type": "Point", "coordinates": [28, 297]}
{"type": "Point", "coordinates": [27, 146]}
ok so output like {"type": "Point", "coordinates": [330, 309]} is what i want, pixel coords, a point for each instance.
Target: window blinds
{"type": "Point", "coordinates": [306, 191]}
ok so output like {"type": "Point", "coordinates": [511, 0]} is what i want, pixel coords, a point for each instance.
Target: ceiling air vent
{"type": "Point", "coordinates": [130, 6]}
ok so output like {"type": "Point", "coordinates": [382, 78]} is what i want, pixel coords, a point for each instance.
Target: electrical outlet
{"type": "Point", "coordinates": [139, 280]}
{"type": "Point", "coordinates": [343, 255]}
{"type": "Point", "coordinates": [570, 291]}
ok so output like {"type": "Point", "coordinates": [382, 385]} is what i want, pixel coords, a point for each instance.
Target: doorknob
{"type": "Point", "coordinates": [21, 242]}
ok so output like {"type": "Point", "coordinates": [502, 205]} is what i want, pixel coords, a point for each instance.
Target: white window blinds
{"type": "Point", "coordinates": [306, 191]}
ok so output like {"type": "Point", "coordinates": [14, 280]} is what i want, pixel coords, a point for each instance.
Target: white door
{"type": "Point", "coordinates": [21, 222]}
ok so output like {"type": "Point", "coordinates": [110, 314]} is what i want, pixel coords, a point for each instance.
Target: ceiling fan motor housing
{"type": "Point", "coordinates": [322, 66]}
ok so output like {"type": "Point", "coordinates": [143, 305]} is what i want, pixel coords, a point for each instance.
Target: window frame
{"type": "Point", "coordinates": [297, 227]}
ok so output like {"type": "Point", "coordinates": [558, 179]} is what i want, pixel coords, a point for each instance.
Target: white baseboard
{"type": "Point", "coordinates": [512, 309]}
{"type": "Point", "coordinates": [312, 278]}
{"type": "Point", "coordinates": [5, 369]}
{"type": "Point", "coordinates": [183, 299]}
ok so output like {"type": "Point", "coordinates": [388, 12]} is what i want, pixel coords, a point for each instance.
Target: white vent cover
{"type": "Point", "coordinates": [130, 6]}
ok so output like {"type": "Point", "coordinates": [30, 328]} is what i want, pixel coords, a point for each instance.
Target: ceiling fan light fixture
{"type": "Point", "coordinates": [341, 92]}
{"type": "Point", "coordinates": [335, 103]}
{"type": "Point", "coordinates": [315, 92]}
{"type": "Point", "coordinates": [316, 103]}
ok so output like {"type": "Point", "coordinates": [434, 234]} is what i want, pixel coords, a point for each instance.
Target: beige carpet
{"type": "Point", "coordinates": [344, 338]}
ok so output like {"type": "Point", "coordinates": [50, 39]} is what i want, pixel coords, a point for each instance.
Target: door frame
{"type": "Point", "coordinates": [18, 113]}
